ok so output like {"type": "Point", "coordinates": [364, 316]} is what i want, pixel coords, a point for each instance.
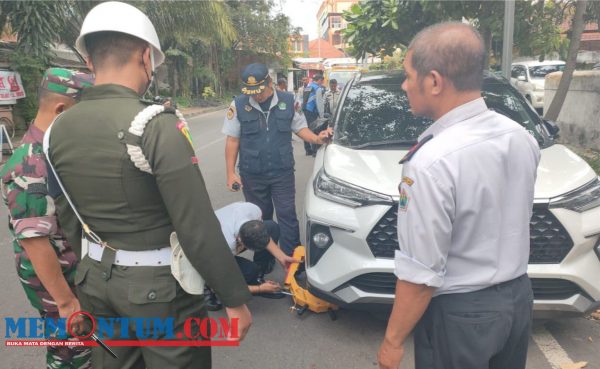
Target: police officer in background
{"type": "Point", "coordinates": [313, 106]}
{"type": "Point", "coordinates": [466, 199]}
{"type": "Point", "coordinates": [332, 97]}
{"type": "Point", "coordinates": [259, 125]}
{"type": "Point", "coordinates": [134, 212]}
{"type": "Point", "coordinates": [282, 84]}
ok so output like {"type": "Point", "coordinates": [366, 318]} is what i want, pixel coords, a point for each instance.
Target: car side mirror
{"type": "Point", "coordinates": [552, 127]}
{"type": "Point", "coordinates": [522, 78]}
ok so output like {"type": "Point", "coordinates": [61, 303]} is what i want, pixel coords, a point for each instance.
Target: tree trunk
{"type": "Point", "coordinates": [567, 75]}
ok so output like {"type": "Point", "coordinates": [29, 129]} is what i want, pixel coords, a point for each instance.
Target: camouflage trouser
{"type": "Point", "coordinates": [57, 357]}
{"type": "Point", "coordinates": [67, 357]}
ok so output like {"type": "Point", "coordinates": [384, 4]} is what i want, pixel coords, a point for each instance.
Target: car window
{"type": "Point", "coordinates": [518, 71]}
{"type": "Point", "coordinates": [342, 77]}
{"type": "Point", "coordinates": [380, 113]}
{"type": "Point", "coordinates": [377, 113]}
{"type": "Point", "coordinates": [540, 71]}
{"type": "Point", "coordinates": [507, 101]}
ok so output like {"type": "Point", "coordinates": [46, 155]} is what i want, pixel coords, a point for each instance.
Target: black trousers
{"type": "Point", "coordinates": [251, 270]}
{"type": "Point", "coordinates": [278, 193]}
{"type": "Point", "coordinates": [486, 329]}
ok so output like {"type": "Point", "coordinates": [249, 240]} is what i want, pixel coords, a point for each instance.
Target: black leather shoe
{"type": "Point", "coordinates": [271, 295]}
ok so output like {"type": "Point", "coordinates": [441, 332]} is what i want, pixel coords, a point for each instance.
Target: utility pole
{"type": "Point", "coordinates": [507, 40]}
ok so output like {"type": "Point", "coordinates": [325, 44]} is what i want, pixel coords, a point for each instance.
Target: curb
{"type": "Point", "coordinates": [205, 111]}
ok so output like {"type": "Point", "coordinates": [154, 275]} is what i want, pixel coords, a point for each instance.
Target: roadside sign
{"type": "Point", "coordinates": [7, 146]}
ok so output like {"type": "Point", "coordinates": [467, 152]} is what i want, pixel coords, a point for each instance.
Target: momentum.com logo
{"type": "Point", "coordinates": [121, 331]}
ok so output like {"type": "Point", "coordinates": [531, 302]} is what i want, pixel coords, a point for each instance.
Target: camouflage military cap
{"type": "Point", "coordinates": [66, 82]}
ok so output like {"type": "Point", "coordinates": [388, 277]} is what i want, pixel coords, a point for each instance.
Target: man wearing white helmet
{"type": "Point", "coordinates": [134, 179]}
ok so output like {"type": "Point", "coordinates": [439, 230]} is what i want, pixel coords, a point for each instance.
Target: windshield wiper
{"type": "Point", "coordinates": [407, 143]}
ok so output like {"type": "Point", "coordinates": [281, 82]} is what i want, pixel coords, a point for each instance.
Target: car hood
{"type": "Point", "coordinates": [377, 170]}
{"type": "Point", "coordinates": [560, 170]}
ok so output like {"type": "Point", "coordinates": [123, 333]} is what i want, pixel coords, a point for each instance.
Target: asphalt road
{"type": "Point", "coordinates": [279, 339]}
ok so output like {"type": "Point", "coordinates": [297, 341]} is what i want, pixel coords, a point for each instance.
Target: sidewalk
{"type": "Point", "coordinates": [195, 110]}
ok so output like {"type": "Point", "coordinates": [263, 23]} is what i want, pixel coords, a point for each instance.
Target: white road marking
{"type": "Point", "coordinates": [551, 349]}
{"type": "Point", "coordinates": [209, 144]}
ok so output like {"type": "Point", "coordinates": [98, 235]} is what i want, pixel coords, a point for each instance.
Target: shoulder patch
{"type": "Point", "coordinates": [183, 128]}
{"type": "Point", "coordinates": [415, 148]}
{"type": "Point", "coordinates": [409, 181]}
{"type": "Point", "coordinates": [230, 112]}
{"type": "Point", "coordinates": [403, 201]}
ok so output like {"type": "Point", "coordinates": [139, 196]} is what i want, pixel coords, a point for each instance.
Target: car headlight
{"type": "Point", "coordinates": [584, 198]}
{"type": "Point", "coordinates": [345, 193]}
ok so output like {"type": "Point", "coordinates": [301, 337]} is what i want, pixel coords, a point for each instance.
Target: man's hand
{"type": "Point", "coordinates": [390, 355]}
{"type": "Point", "coordinates": [244, 320]}
{"type": "Point", "coordinates": [231, 179]}
{"type": "Point", "coordinates": [66, 309]}
{"type": "Point", "coordinates": [285, 261]}
{"type": "Point", "coordinates": [269, 287]}
{"type": "Point", "coordinates": [325, 136]}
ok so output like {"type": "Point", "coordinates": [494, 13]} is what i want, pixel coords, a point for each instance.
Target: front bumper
{"type": "Point", "coordinates": [349, 274]}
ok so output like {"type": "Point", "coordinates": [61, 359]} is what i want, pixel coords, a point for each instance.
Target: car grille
{"type": "Point", "coordinates": [543, 288]}
{"type": "Point", "coordinates": [383, 239]}
{"type": "Point", "coordinates": [554, 289]}
{"type": "Point", "coordinates": [550, 241]}
{"type": "Point", "coordinates": [375, 282]}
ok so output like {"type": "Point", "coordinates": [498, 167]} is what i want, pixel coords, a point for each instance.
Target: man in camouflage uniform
{"type": "Point", "coordinates": [45, 262]}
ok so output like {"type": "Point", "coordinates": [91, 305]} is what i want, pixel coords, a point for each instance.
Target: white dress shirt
{"type": "Point", "coordinates": [233, 216]}
{"type": "Point", "coordinates": [466, 199]}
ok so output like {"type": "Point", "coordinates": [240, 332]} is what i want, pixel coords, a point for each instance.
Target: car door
{"type": "Point", "coordinates": [522, 83]}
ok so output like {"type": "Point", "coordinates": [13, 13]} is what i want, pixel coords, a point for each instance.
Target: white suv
{"type": "Point", "coordinates": [529, 77]}
{"type": "Point", "coordinates": [352, 200]}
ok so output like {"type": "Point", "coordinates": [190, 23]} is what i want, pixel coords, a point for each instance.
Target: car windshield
{"type": "Point", "coordinates": [540, 71]}
{"type": "Point", "coordinates": [342, 77]}
{"type": "Point", "coordinates": [376, 114]}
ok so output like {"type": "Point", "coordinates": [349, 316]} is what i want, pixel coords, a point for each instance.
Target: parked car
{"type": "Point", "coordinates": [529, 77]}
{"type": "Point", "coordinates": [352, 198]}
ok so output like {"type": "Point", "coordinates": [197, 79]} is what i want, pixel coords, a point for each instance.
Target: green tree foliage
{"type": "Point", "coordinates": [378, 27]}
{"type": "Point", "coordinates": [38, 24]}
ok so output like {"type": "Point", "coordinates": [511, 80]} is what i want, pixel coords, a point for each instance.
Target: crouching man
{"type": "Point", "coordinates": [244, 229]}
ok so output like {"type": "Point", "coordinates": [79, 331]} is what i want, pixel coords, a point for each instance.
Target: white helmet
{"type": "Point", "coordinates": [120, 17]}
